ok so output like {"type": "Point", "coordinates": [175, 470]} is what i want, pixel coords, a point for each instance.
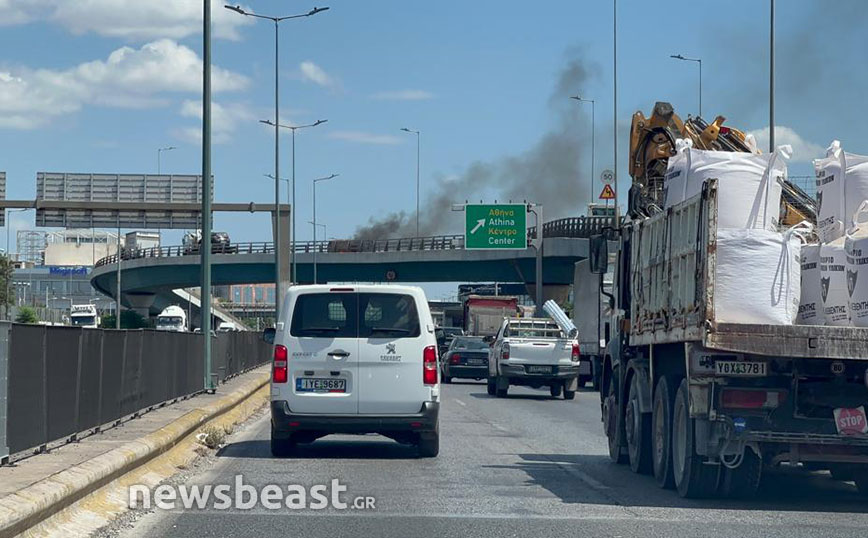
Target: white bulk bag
{"type": "Point", "coordinates": [833, 283]}
{"type": "Point", "coordinates": [747, 198]}
{"type": "Point", "coordinates": [811, 302]}
{"type": "Point", "coordinates": [758, 277]}
{"type": "Point", "coordinates": [856, 252]}
{"type": "Point", "coordinates": [842, 184]}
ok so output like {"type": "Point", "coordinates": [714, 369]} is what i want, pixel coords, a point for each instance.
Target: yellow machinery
{"type": "Point", "coordinates": [652, 142]}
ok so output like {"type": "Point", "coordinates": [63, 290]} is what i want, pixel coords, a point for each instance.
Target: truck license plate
{"type": "Point", "coordinates": [539, 369]}
{"type": "Point", "coordinates": [741, 369]}
{"type": "Point", "coordinates": [851, 421]}
{"type": "Point", "coordinates": [318, 384]}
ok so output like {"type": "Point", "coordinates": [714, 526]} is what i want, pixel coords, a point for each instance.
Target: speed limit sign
{"type": "Point", "coordinates": [607, 177]}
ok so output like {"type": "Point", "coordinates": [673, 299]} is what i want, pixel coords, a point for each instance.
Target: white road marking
{"type": "Point", "coordinates": [462, 404]}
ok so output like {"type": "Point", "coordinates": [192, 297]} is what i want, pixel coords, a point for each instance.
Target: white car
{"type": "Point", "coordinates": [533, 352]}
{"type": "Point", "coordinates": [354, 359]}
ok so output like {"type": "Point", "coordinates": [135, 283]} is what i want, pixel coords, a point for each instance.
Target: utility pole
{"type": "Point", "coordinates": [205, 242]}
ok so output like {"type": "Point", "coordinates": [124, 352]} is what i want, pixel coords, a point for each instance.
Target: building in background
{"type": "Point", "coordinates": [72, 247]}
{"type": "Point", "coordinates": [56, 287]}
{"type": "Point", "coordinates": [252, 294]}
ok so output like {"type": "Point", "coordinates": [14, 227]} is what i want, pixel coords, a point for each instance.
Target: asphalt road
{"type": "Point", "coordinates": [525, 466]}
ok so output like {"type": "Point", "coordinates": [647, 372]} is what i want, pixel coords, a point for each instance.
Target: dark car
{"type": "Point", "coordinates": [444, 337]}
{"type": "Point", "coordinates": [466, 358]}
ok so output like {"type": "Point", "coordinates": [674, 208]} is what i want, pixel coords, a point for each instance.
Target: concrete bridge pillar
{"type": "Point", "coordinates": [140, 302]}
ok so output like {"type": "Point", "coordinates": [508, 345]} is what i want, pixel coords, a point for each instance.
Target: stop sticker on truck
{"type": "Point", "coordinates": [851, 421]}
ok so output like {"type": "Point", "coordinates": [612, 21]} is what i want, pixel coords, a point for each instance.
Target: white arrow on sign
{"type": "Point", "coordinates": [479, 224]}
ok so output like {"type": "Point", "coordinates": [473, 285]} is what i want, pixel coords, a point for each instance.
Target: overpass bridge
{"type": "Point", "coordinates": [150, 275]}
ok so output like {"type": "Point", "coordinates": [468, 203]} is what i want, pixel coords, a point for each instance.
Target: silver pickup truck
{"type": "Point", "coordinates": [533, 352]}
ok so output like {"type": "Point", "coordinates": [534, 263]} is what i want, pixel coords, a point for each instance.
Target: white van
{"type": "Point", "coordinates": [354, 359]}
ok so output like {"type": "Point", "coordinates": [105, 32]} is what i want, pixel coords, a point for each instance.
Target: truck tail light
{"type": "Point", "coordinates": [574, 354]}
{"type": "Point", "coordinates": [278, 372]}
{"type": "Point", "coordinates": [752, 399]}
{"type": "Point", "coordinates": [455, 359]}
{"type": "Point", "coordinates": [429, 365]}
{"type": "Point", "coordinates": [504, 353]}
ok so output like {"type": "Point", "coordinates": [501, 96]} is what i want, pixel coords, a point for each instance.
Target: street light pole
{"type": "Point", "coordinates": [276, 21]}
{"type": "Point", "coordinates": [205, 243]}
{"type": "Point", "coordinates": [159, 152]}
{"type": "Point", "coordinates": [615, 100]}
{"type": "Point", "coordinates": [315, 181]}
{"type": "Point", "coordinates": [418, 154]}
{"type": "Point", "coordinates": [772, 76]}
{"type": "Point", "coordinates": [294, 128]}
{"type": "Point", "coordinates": [699, 61]}
{"type": "Point", "coordinates": [593, 138]}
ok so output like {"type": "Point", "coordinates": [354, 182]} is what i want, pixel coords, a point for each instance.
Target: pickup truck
{"type": "Point", "coordinates": [533, 352]}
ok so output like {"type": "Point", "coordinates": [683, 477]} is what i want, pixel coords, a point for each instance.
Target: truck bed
{"type": "Point", "coordinates": [673, 255]}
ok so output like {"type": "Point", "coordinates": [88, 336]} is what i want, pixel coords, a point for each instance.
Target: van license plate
{"type": "Point", "coordinates": [319, 384]}
{"type": "Point", "coordinates": [539, 369]}
{"type": "Point", "coordinates": [741, 369]}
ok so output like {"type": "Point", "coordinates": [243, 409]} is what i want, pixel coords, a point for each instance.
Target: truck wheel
{"type": "Point", "coordinates": [492, 386]}
{"type": "Point", "coordinates": [569, 394]}
{"type": "Point", "coordinates": [501, 393]}
{"type": "Point", "coordinates": [282, 448]}
{"type": "Point", "coordinates": [661, 433]}
{"type": "Point", "coordinates": [860, 476]}
{"type": "Point", "coordinates": [743, 481]}
{"type": "Point", "coordinates": [693, 479]}
{"type": "Point", "coordinates": [612, 423]}
{"type": "Point", "coordinates": [637, 430]}
{"type": "Point", "coordinates": [555, 390]}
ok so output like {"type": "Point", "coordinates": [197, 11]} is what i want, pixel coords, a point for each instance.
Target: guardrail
{"type": "Point", "coordinates": [573, 227]}
{"type": "Point", "coordinates": [59, 384]}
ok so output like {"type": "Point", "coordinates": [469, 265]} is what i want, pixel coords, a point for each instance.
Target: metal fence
{"type": "Point", "coordinates": [58, 384]}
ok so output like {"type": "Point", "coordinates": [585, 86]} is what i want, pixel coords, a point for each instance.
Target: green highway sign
{"type": "Point", "coordinates": [495, 226]}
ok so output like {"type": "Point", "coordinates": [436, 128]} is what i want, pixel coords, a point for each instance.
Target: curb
{"type": "Point", "coordinates": [29, 506]}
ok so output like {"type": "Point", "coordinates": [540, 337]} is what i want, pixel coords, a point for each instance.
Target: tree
{"type": "Point", "coordinates": [7, 292]}
{"type": "Point", "coordinates": [130, 319]}
{"type": "Point", "coordinates": [26, 315]}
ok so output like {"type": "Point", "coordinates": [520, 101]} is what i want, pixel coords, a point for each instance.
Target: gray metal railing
{"type": "Point", "coordinates": [574, 227]}
{"type": "Point", "coordinates": [64, 383]}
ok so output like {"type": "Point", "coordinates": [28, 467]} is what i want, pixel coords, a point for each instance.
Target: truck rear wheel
{"type": "Point", "coordinates": [743, 481]}
{"type": "Point", "coordinates": [492, 386]}
{"type": "Point", "coordinates": [555, 390]}
{"type": "Point", "coordinates": [637, 430]}
{"type": "Point", "coordinates": [612, 423]}
{"type": "Point", "coordinates": [693, 479]}
{"type": "Point", "coordinates": [661, 433]}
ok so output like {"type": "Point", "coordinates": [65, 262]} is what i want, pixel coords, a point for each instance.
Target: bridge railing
{"type": "Point", "coordinates": [573, 227]}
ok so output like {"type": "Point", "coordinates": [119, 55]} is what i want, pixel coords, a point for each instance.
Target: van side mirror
{"type": "Point", "coordinates": [268, 335]}
{"type": "Point", "coordinates": [598, 254]}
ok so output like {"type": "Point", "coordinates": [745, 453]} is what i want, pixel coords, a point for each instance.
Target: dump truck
{"type": "Point", "coordinates": [702, 404]}
{"type": "Point", "coordinates": [483, 315]}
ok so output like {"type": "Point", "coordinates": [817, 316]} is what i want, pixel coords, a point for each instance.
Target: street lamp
{"type": "Point", "coordinates": [276, 21]}
{"type": "Point", "coordinates": [159, 153]}
{"type": "Point", "coordinates": [418, 145]}
{"type": "Point", "coordinates": [325, 228]}
{"type": "Point", "coordinates": [293, 128]}
{"type": "Point", "coordinates": [699, 61]}
{"type": "Point", "coordinates": [315, 181]}
{"type": "Point", "coordinates": [593, 138]}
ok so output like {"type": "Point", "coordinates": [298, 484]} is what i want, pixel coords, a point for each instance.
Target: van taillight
{"type": "Point", "coordinates": [574, 355]}
{"type": "Point", "coordinates": [278, 372]}
{"type": "Point", "coordinates": [429, 365]}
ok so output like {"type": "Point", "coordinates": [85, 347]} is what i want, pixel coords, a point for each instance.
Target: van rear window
{"type": "Point", "coordinates": [327, 315]}
{"type": "Point", "coordinates": [388, 315]}
{"type": "Point", "coordinates": [355, 315]}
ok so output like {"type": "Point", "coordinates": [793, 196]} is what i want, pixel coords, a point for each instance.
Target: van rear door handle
{"type": "Point", "coordinates": [339, 353]}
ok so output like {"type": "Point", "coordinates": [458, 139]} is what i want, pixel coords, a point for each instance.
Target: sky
{"type": "Point", "coordinates": [100, 85]}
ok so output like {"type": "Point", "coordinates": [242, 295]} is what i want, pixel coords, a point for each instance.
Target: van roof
{"type": "Point", "coordinates": [361, 288]}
